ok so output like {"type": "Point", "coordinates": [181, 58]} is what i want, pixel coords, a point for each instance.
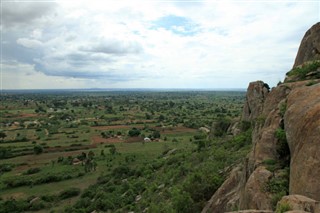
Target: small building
{"type": "Point", "coordinates": [146, 139]}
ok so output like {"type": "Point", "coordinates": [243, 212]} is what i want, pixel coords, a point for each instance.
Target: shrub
{"type": "Point", "coordinates": [13, 205]}
{"type": "Point", "coordinates": [282, 145]}
{"type": "Point", "coordinates": [221, 127]}
{"type": "Point", "coordinates": [5, 152]}
{"type": "Point", "coordinates": [245, 125]}
{"type": "Point", "coordinates": [301, 72]}
{"type": "Point", "coordinates": [121, 171]}
{"type": "Point", "coordinates": [200, 136]}
{"type": "Point", "coordinates": [49, 198]}
{"type": "Point", "coordinates": [37, 149]}
{"type": "Point", "coordinates": [71, 192]}
{"type": "Point", "coordinates": [283, 207]}
{"type": "Point", "coordinates": [134, 132]}
{"type": "Point", "coordinates": [32, 171]}
{"type": "Point", "coordinates": [5, 168]}
{"type": "Point", "coordinates": [310, 83]}
{"type": "Point", "coordinates": [35, 206]}
{"type": "Point", "coordinates": [283, 109]}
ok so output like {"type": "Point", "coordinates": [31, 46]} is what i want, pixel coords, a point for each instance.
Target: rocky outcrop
{"type": "Point", "coordinates": [302, 125]}
{"type": "Point", "coordinates": [254, 196]}
{"type": "Point", "coordinates": [293, 108]}
{"type": "Point", "coordinates": [227, 196]}
{"type": "Point", "coordinates": [300, 203]}
{"type": "Point", "coordinates": [256, 94]}
{"type": "Point", "coordinates": [253, 211]}
{"type": "Point", "coordinates": [309, 49]}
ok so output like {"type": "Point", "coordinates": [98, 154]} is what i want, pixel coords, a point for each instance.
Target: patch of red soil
{"type": "Point", "coordinates": [63, 148]}
{"type": "Point", "coordinates": [173, 130]}
{"type": "Point", "coordinates": [98, 140]}
{"type": "Point", "coordinates": [26, 115]}
{"type": "Point", "coordinates": [114, 127]}
{"type": "Point", "coordinates": [134, 139]}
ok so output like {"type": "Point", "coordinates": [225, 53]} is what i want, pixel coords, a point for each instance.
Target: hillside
{"type": "Point", "coordinates": [283, 164]}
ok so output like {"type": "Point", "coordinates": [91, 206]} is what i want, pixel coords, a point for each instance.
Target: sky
{"type": "Point", "coordinates": [150, 43]}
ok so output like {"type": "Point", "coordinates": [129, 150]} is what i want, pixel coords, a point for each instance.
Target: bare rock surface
{"type": "Point", "coordinates": [310, 46]}
{"type": "Point", "coordinates": [256, 94]}
{"type": "Point", "coordinates": [302, 125]}
{"type": "Point", "coordinates": [219, 202]}
{"type": "Point", "coordinates": [294, 107]}
{"type": "Point", "coordinates": [300, 203]}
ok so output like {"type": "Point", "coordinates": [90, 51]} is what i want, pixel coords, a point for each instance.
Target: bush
{"type": "Point", "coordinates": [5, 152]}
{"type": "Point", "coordinates": [245, 125]}
{"type": "Point", "coordinates": [200, 136]}
{"type": "Point", "coordinates": [134, 132]}
{"type": "Point", "coordinates": [182, 202]}
{"type": "Point", "coordinates": [13, 205]}
{"type": "Point", "coordinates": [283, 109]}
{"type": "Point", "coordinates": [221, 126]}
{"type": "Point", "coordinates": [5, 168]}
{"type": "Point", "coordinates": [71, 192]}
{"type": "Point", "coordinates": [284, 207]}
{"type": "Point", "coordinates": [301, 72]}
{"type": "Point", "coordinates": [37, 149]}
{"type": "Point", "coordinates": [49, 198]}
{"type": "Point", "coordinates": [282, 145]}
{"type": "Point", "coordinates": [32, 171]}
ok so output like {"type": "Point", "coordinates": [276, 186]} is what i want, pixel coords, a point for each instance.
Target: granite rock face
{"type": "Point", "coordinates": [302, 125]}
{"type": "Point", "coordinates": [299, 203]}
{"type": "Point", "coordinates": [293, 107]}
{"type": "Point", "coordinates": [256, 94]}
{"type": "Point", "coordinates": [309, 49]}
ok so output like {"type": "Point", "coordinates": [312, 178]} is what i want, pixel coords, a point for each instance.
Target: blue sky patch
{"type": "Point", "coordinates": [176, 24]}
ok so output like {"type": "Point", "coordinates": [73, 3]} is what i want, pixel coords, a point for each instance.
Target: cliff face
{"type": "Point", "coordinates": [286, 126]}
{"type": "Point", "coordinates": [302, 125]}
{"type": "Point", "coordinates": [309, 49]}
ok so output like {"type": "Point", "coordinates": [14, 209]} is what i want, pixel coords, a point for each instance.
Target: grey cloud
{"type": "Point", "coordinates": [115, 47]}
{"type": "Point", "coordinates": [24, 13]}
{"type": "Point", "coordinates": [109, 75]}
{"type": "Point", "coordinates": [29, 43]}
{"type": "Point", "coordinates": [79, 59]}
{"type": "Point", "coordinates": [13, 51]}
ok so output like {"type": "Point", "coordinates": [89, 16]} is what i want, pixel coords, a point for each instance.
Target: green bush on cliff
{"type": "Point", "coordinates": [283, 207]}
{"type": "Point", "coordinates": [301, 72]}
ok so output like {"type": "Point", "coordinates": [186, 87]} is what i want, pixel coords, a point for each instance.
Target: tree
{"type": "Point", "coordinates": [91, 155]}
{"type": "Point", "coordinates": [37, 149]}
{"type": "Point", "coordinates": [161, 118]}
{"type": "Point", "coordinates": [156, 134]}
{"type": "Point", "coordinates": [2, 135]}
{"type": "Point", "coordinates": [102, 153]}
{"type": "Point", "coordinates": [113, 149]}
{"type": "Point", "coordinates": [134, 132]}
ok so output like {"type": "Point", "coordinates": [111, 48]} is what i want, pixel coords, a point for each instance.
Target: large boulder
{"type": "Point", "coordinates": [294, 107]}
{"type": "Point", "coordinates": [255, 196]}
{"type": "Point", "coordinates": [309, 49]}
{"type": "Point", "coordinates": [219, 202]}
{"type": "Point", "coordinates": [299, 203]}
{"type": "Point", "coordinates": [256, 94]}
{"type": "Point", "coordinates": [302, 125]}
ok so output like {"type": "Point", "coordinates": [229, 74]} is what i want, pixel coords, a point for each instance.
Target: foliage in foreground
{"type": "Point", "coordinates": [182, 181]}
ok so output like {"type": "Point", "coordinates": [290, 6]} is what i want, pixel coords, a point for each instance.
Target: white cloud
{"type": "Point", "coordinates": [128, 43]}
{"type": "Point", "coordinates": [29, 43]}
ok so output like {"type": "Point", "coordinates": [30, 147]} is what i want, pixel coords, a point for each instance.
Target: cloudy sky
{"type": "Point", "coordinates": [150, 44]}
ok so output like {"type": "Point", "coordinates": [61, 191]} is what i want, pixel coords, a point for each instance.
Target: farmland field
{"type": "Point", "coordinates": [117, 151]}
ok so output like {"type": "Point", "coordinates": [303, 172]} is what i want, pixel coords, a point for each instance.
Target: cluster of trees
{"type": "Point", "coordinates": [181, 181]}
